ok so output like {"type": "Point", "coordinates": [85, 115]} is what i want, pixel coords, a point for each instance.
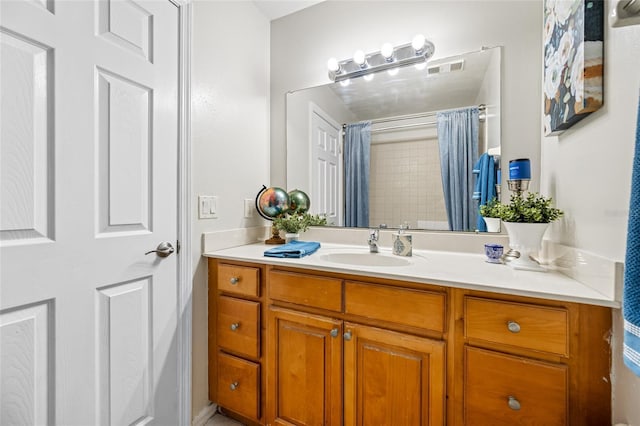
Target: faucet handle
{"type": "Point", "coordinates": [373, 234]}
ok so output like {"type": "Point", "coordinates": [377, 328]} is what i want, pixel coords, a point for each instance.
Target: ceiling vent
{"type": "Point", "coordinates": [444, 68]}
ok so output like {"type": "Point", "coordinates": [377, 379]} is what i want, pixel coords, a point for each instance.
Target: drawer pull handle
{"type": "Point", "coordinates": [347, 335]}
{"type": "Point", "coordinates": [334, 332]}
{"type": "Point", "coordinates": [235, 326]}
{"type": "Point", "coordinates": [234, 280]}
{"type": "Point", "coordinates": [514, 404]}
{"type": "Point", "coordinates": [234, 386]}
{"type": "Point", "coordinates": [513, 327]}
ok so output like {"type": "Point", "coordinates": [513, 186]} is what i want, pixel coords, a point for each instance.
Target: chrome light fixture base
{"type": "Point", "coordinates": [403, 55]}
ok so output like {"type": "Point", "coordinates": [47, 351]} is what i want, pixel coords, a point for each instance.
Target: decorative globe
{"type": "Point", "coordinates": [298, 201]}
{"type": "Point", "coordinates": [272, 202]}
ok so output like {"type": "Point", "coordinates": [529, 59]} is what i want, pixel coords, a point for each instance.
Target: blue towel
{"type": "Point", "coordinates": [294, 249]}
{"type": "Point", "coordinates": [485, 189]}
{"type": "Point", "coordinates": [631, 294]}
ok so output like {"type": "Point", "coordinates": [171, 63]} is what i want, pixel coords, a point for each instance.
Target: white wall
{"type": "Point", "coordinates": [587, 170]}
{"type": "Point", "coordinates": [301, 44]}
{"type": "Point", "coordinates": [230, 134]}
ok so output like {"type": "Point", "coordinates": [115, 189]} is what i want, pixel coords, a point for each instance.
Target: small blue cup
{"type": "Point", "coordinates": [494, 252]}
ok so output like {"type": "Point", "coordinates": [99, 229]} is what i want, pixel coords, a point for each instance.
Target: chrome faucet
{"type": "Point", "coordinates": [374, 235]}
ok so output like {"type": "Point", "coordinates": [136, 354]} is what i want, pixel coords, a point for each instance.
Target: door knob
{"type": "Point", "coordinates": [164, 249]}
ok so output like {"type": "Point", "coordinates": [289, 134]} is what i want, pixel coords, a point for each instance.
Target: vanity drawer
{"type": "Point", "coordinates": [505, 390]}
{"type": "Point", "coordinates": [239, 385]}
{"type": "Point", "coordinates": [243, 280]}
{"type": "Point", "coordinates": [308, 290]}
{"type": "Point", "coordinates": [239, 326]}
{"type": "Point", "coordinates": [539, 328]}
{"type": "Point", "coordinates": [416, 308]}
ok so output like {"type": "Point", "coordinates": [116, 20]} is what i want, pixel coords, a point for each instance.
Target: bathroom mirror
{"type": "Point", "coordinates": [405, 183]}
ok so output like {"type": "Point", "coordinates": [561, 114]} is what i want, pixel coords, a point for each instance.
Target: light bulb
{"type": "Point", "coordinates": [368, 77]}
{"type": "Point", "coordinates": [359, 58]}
{"type": "Point", "coordinates": [345, 83]}
{"type": "Point", "coordinates": [393, 71]}
{"type": "Point", "coordinates": [418, 43]}
{"type": "Point", "coordinates": [387, 51]}
{"type": "Point", "coordinates": [333, 65]}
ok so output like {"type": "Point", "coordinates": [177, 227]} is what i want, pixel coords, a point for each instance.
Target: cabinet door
{"type": "Point", "coordinates": [392, 378]}
{"type": "Point", "coordinates": [304, 374]}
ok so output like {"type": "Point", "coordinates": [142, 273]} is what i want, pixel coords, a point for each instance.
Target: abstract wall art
{"type": "Point", "coordinates": [573, 62]}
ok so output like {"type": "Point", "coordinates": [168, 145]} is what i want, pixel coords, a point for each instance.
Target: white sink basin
{"type": "Point", "coordinates": [365, 259]}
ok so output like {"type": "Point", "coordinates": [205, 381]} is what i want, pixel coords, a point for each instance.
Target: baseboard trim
{"type": "Point", "coordinates": [204, 415]}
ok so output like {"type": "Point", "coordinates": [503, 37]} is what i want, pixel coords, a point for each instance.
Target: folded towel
{"type": "Point", "coordinates": [294, 249]}
{"type": "Point", "coordinates": [631, 294]}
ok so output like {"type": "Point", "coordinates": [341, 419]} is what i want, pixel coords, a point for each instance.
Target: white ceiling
{"type": "Point", "coordinates": [274, 9]}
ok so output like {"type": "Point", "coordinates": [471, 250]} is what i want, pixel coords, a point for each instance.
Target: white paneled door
{"type": "Point", "coordinates": [325, 167]}
{"type": "Point", "coordinates": [88, 169]}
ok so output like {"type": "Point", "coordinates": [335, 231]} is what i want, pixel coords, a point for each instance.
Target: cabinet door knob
{"type": "Point", "coordinates": [347, 335]}
{"type": "Point", "coordinates": [513, 327]}
{"type": "Point", "coordinates": [234, 386]}
{"type": "Point", "coordinates": [513, 403]}
{"type": "Point", "coordinates": [234, 280]}
{"type": "Point", "coordinates": [334, 332]}
{"type": "Point", "coordinates": [235, 326]}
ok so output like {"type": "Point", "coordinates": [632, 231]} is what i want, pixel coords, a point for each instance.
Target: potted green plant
{"type": "Point", "coordinates": [534, 208]}
{"type": "Point", "coordinates": [526, 220]}
{"type": "Point", "coordinates": [492, 213]}
{"type": "Point", "coordinates": [294, 223]}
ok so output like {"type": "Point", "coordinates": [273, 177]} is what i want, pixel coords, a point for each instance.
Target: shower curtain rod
{"type": "Point", "coordinates": [404, 126]}
{"type": "Point", "coordinates": [481, 108]}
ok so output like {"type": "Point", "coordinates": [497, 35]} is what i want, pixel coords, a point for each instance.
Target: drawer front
{"type": "Point", "coordinates": [308, 290]}
{"type": "Point", "coordinates": [239, 385]}
{"type": "Point", "coordinates": [243, 280]}
{"type": "Point", "coordinates": [506, 390]}
{"type": "Point", "coordinates": [517, 324]}
{"type": "Point", "coordinates": [239, 326]}
{"type": "Point", "coordinates": [422, 309]}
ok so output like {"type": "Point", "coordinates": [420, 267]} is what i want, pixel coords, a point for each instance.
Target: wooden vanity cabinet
{"type": "Point", "coordinates": [321, 348]}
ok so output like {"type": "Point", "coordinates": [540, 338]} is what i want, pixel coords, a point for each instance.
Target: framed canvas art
{"type": "Point", "coordinates": [573, 62]}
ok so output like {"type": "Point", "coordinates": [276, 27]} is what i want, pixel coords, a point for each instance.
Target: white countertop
{"type": "Point", "coordinates": [460, 270]}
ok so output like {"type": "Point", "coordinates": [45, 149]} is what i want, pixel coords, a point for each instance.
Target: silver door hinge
{"type": "Point", "coordinates": [177, 246]}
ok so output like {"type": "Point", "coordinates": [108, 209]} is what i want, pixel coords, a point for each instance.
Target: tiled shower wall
{"type": "Point", "coordinates": [405, 184]}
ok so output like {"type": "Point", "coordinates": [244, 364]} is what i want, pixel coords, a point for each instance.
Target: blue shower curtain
{"type": "Point", "coordinates": [357, 152]}
{"type": "Point", "coordinates": [458, 141]}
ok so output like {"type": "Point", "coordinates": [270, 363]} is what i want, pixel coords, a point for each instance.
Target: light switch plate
{"type": "Point", "coordinates": [248, 208]}
{"type": "Point", "coordinates": [207, 207]}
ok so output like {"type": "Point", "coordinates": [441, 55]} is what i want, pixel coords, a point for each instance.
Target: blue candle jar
{"type": "Point", "coordinates": [520, 169]}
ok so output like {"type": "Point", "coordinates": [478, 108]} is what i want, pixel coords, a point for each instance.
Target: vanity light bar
{"type": "Point", "coordinates": [420, 50]}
